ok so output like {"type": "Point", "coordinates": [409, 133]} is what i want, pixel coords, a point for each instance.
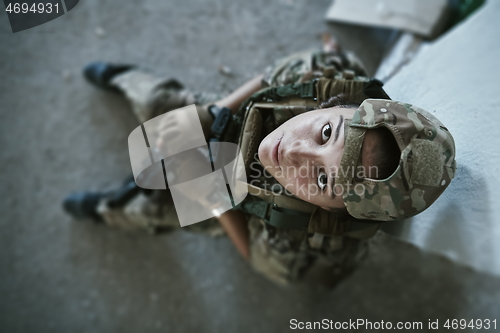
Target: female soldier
{"type": "Point", "coordinates": [378, 161]}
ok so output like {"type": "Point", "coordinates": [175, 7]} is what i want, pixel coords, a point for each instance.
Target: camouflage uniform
{"type": "Point", "coordinates": [308, 65]}
{"type": "Point", "coordinates": [150, 97]}
{"type": "Point", "coordinates": [284, 256]}
{"type": "Point", "coordinates": [427, 166]}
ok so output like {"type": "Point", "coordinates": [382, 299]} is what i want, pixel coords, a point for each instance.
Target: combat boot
{"type": "Point", "coordinates": [100, 74]}
{"type": "Point", "coordinates": [83, 205]}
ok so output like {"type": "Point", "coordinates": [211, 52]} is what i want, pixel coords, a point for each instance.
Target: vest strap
{"type": "Point", "coordinates": [277, 216]}
{"type": "Point", "coordinates": [288, 213]}
{"type": "Point", "coordinates": [280, 200]}
{"type": "Point", "coordinates": [302, 90]}
{"type": "Point", "coordinates": [288, 218]}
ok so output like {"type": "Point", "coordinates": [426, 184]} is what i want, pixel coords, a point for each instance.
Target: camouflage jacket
{"type": "Point", "coordinates": [293, 85]}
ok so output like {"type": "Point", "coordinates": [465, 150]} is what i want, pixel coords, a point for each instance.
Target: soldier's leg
{"type": "Point", "coordinates": [133, 209]}
{"type": "Point", "coordinates": [149, 212]}
{"type": "Point", "coordinates": [152, 96]}
{"type": "Point", "coordinates": [129, 207]}
{"type": "Point", "coordinates": [154, 212]}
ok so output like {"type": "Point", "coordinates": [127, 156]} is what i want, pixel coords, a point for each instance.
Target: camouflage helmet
{"type": "Point", "coordinates": [426, 167]}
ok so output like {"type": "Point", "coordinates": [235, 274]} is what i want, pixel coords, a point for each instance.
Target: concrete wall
{"type": "Point", "coordinates": [457, 79]}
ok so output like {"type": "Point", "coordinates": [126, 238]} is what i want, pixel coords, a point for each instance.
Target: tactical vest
{"type": "Point", "coordinates": [282, 103]}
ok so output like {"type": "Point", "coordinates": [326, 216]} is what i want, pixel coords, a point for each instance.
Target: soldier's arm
{"type": "Point", "coordinates": [234, 221]}
{"type": "Point", "coordinates": [236, 227]}
{"type": "Point", "coordinates": [234, 100]}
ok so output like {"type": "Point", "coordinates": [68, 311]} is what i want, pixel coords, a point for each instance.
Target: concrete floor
{"type": "Point", "coordinates": [58, 134]}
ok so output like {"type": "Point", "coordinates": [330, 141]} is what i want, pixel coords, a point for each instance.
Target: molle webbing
{"type": "Point", "coordinates": [278, 210]}
{"type": "Point", "coordinates": [320, 221]}
{"type": "Point", "coordinates": [277, 216]}
{"type": "Point", "coordinates": [352, 89]}
{"type": "Point", "coordinates": [355, 89]}
{"type": "Point", "coordinates": [289, 213]}
{"type": "Point", "coordinates": [274, 94]}
{"type": "Point", "coordinates": [271, 94]}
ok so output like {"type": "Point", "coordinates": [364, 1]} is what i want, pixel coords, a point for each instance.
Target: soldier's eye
{"type": "Point", "coordinates": [326, 132]}
{"type": "Point", "coordinates": [322, 180]}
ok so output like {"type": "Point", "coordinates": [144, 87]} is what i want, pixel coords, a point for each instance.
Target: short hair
{"type": "Point", "coordinates": [338, 100]}
{"type": "Point", "coordinates": [386, 154]}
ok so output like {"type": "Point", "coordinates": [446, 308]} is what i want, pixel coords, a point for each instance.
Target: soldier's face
{"type": "Point", "coordinates": [304, 154]}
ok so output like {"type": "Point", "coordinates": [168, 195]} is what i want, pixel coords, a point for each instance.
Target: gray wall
{"type": "Point", "coordinates": [457, 79]}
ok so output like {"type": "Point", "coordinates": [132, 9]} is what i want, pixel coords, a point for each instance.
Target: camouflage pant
{"type": "Point", "coordinates": [282, 258]}
{"type": "Point", "coordinates": [150, 97]}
